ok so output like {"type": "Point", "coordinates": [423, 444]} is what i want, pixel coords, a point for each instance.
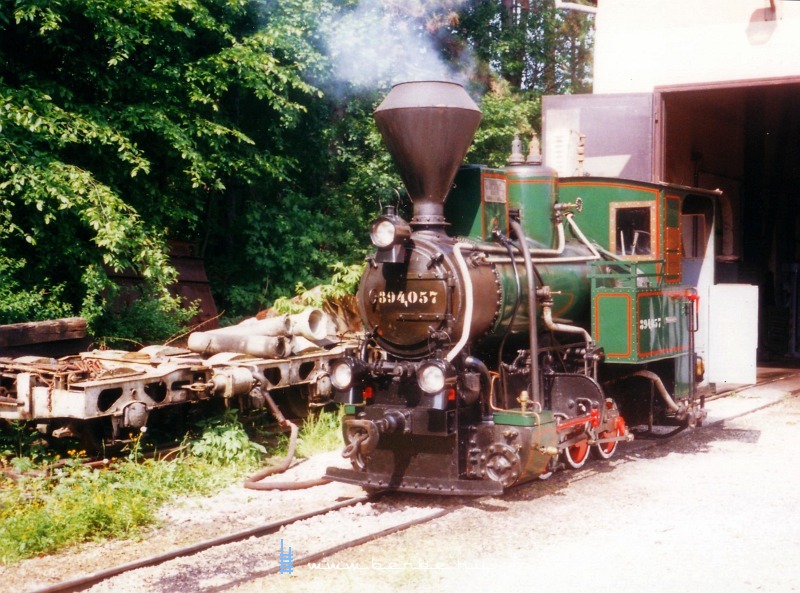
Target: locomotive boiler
{"type": "Point", "coordinates": [512, 317]}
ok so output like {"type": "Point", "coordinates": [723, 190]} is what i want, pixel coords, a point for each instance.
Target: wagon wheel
{"type": "Point", "coordinates": [576, 455]}
{"type": "Point", "coordinates": [607, 450]}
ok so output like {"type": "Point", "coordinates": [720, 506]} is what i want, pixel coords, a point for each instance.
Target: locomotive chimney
{"type": "Point", "coordinates": [428, 127]}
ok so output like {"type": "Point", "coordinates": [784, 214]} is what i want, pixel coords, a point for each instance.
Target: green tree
{"type": "Point", "coordinates": [123, 121]}
{"type": "Point", "coordinates": [505, 113]}
{"type": "Point", "coordinates": [529, 43]}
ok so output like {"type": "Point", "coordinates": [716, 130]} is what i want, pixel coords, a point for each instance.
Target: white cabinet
{"type": "Point", "coordinates": [733, 336]}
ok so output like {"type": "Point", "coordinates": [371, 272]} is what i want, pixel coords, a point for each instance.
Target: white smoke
{"type": "Point", "coordinates": [384, 42]}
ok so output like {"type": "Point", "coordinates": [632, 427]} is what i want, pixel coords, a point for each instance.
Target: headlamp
{"type": "Point", "coordinates": [433, 375]}
{"type": "Point", "coordinates": [345, 372]}
{"type": "Point", "coordinates": [341, 374]}
{"type": "Point", "coordinates": [389, 230]}
{"type": "Point", "coordinates": [383, 233]}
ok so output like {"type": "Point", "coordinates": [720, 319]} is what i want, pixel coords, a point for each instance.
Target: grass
{"type": "Point", "coordinates": [50, 509]}
{"type": "Point", "coordinates": [320, 433]}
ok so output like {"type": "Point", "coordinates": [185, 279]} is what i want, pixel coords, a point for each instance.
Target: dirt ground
{"type": "Point", "coordinates": [714, 509]}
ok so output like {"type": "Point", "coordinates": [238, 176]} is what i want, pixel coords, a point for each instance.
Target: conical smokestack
{"type": "Point", "coordinates": [428, 127]}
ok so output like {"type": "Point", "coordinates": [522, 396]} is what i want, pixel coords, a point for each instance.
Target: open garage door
{"type": "Point", "coordinates": [743, 138]}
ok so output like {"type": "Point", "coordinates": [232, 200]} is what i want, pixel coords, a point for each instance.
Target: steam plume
{"type": "Point", "coordinates": [383, 42]}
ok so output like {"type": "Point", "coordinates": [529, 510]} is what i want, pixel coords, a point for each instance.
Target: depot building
{"type": "Point", "coordinates": [705, 94]}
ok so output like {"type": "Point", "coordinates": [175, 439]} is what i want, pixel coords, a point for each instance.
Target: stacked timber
{"type": "Point", "coordinates": [274, 337]}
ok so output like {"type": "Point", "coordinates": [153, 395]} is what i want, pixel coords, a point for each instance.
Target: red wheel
{"type": "Point", "coordinates": [577, 454]}
{"type": "Point", "coordinates": [607, 450]}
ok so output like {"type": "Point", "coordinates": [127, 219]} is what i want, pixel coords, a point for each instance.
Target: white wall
{"type": "Point", "coordinates": [642, 44]}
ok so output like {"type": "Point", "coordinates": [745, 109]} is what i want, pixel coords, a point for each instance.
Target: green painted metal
{"type": "Point", "coordinates": [662, 323]}
{"type": "Point", "coordinates": [598, 196]}
{"type": "Point", "coordinates": [533, 191]}
{"type": "Point", "coordinates": [611, 322]}
{"type": "Point", "coordinates": [673, 211]}
{"type": "Point", "coordinates": [684, 371]}
{"type": "Point", "coordinates": [480, 198]}
{"type": "Point", "coordinates": [516, 417]}
{"type": "Point", "coordinates": [570, 283]}
{"type": "Point", "coordinates": [635, 318]}
{"type": "Point", "coordinates": [477, 203]}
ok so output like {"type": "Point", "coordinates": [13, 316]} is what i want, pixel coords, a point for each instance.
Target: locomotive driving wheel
{"type": "Point", "coordinates": [607, 450]}
{"type": "Point", "coordinates": [576, 455]}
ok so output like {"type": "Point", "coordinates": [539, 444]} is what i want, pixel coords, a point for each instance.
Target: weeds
{"type": "Point", "coordinates": [224, 441]}
{"type": "Point", "coordinates": [320, 433]}
{"type": "Point", "coordinates": [54, 507]}
{"type": "Point", "coordinates": [23, 445]}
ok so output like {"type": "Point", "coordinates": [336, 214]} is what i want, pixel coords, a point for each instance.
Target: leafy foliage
{"type": "Point", "coordinates": [320, 433]}
{"type": "Point", "coordinates": [75, 503]}
{"type": "Point", "coordinates": [270, 241]}
{"type": "Point", "coordinates": [31, 303]}
{"type": "Point", "coordinates": [224, 441]}
{"type": "Point", "coordinates": [506, 112]}
{"type": "Point", "coordinates": [533, 46]}
{"type": "Point", "coordinates": [343, 282]}
{"type": "Point", "coordinates": [122, 121]}
{"type": "Point", "coordinates": [18, 442]}
{"type": "Point", "coordinates": [125, 124]}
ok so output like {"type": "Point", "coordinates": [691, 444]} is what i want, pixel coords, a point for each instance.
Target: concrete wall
{"type": "Point", "coordinates": [643, 44]}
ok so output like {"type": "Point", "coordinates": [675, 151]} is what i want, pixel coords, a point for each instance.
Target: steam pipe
{"type": "Point", "coordinates": [472, 362]}
{"type": "Point", "coordinates": [518, 293]}
{"type": "Point", "coordinates": [468, 299]}
{"type": "Point", "coordinates": [559, 249]}
{"type": "Point", "coordinates": [662, 390]}
{"type": "Point", "coordinates": [595, 254]}
{"type": "Point", "coordinates": [535, 252]}
{"type": "Point", "coordinates": [547, 317]}
{"type": "Point", "coordinates": [581, 237]}
{"type": "Point", "coordinates": [532, 310]}
{"type": "Point", "coordinates": [477, 364]}
{"type": "Point", "coordinates": [555, 260]}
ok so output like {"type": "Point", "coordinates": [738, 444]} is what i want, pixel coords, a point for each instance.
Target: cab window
{"type": "Point", "coordinates": [631, 230]}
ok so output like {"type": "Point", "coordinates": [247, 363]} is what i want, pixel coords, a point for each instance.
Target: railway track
{"type": "Point", "coordinates": [85, 582]}
{"type": "Point", "coordinates": [251, 572]}
{"type": "Point", "coordinates": [327, 552]}
{"type": "Point", "coordinates": [89, 581]}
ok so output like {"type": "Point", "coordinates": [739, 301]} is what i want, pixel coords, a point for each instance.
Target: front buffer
{"type": "Point", "coordinates": [426, 451]}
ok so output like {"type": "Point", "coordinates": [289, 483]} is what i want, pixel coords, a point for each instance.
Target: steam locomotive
{"type": "Point", "coordinates": [518, 319]}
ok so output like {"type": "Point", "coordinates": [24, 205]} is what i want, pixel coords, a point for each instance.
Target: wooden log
{"type": "Point", "coordinates": [38, 332]}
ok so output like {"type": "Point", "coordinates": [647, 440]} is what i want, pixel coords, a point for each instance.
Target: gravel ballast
{"type": "Point", "coordinates": [713, 509]}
